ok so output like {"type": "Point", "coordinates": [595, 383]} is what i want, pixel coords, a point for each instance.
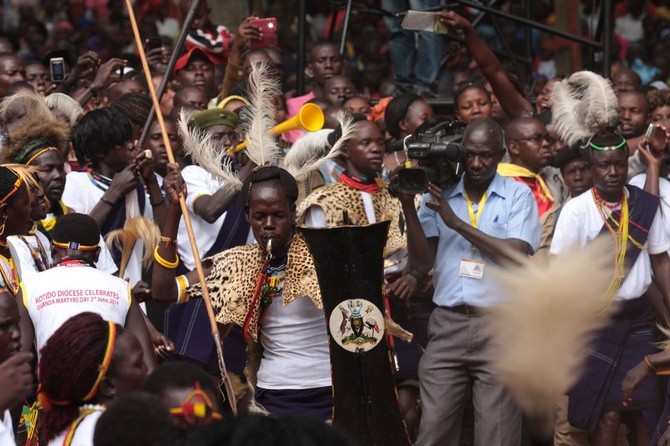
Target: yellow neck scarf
{"type": "Point", "coordinates": [49, 223]}
{"type": "Point", "coordinates": [514, 170]}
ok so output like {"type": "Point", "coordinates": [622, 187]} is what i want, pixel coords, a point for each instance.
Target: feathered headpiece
{"type": "Point", "coordinates": [200, 147]}
{"type": "Point", "coordinates": [262, 148]}
{"type": "Point", "coordinates": [303, 159]}
{"type": "Point", "coordinates": [36, 132]}
{"type": "Point", "coordinates": [584, 105]}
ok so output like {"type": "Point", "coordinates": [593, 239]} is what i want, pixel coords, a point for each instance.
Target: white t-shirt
{"type": "Point", "coordinates": [55, 295]}
{"type": "Point", "coordinates": [199, 182]}
{"type": "Point", "coordinates": [296, 352]}
{"type": "Point", "coordinates": [23, 258]}
{"type": "Point", "coordinates": [25, 264]}
{"type": "Point", "coordinates": [83, 435]}
{"type": "Point", "coordinates": [6, 430]}
{"type": "Point", "coordinates": [580, 222]}
{"type": "Point", "coordinates": [81, 195]}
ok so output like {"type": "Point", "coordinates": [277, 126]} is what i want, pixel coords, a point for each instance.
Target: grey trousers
{"type": "Point", "coordinates": [458, 355]}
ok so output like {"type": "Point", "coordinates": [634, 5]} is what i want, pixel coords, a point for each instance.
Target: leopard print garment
{"type": "Point", "coordinates": [232, 281]}
{"type": "Point", "coordinates": [335, 198]}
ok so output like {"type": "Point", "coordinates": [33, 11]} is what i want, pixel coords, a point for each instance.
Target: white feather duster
{"type": "Point", "coordinates": [308, 158]}
{"type": "Point", "coordinates": [205, 153]}
{"type": "Point", "coordinates": [542, 330]}
{"type": "Point", "coordinates": [599, 105]}
{"type": "Point", "coordinates": [584, 104]}
{"type": "Point", "coordinates": [136, 228]}
{"type": "Point", "coordinates": [262, 148]}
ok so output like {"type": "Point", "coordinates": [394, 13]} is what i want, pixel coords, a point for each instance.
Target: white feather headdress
{"type": "Point", "coordinates": [207, 154]}
{"type": "Point", "coordinates": [262, 148]}
{"type": "Point", "coordinates": [584, 104]}
{"type": "Point", "coordinates": [305, 158]}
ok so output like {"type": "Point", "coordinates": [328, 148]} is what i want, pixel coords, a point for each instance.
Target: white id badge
{"type": "Point", "coordinates": [471, 268]}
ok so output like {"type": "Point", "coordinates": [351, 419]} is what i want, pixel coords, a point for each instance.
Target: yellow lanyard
{"type": "Point", "coordinates": [474, 218]}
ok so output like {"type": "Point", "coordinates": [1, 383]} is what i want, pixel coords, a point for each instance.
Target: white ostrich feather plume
{"type": "Point", "coordinates": [262, 147]}
{"type": "Point", "coordinates": [300, 163]}
{"type": "Point", "coordinates": [207, 154]}
{"type": "Point", "coordinates": [135, 228]}
{"type": "Point", "coordinates": [542, 329]}
{"type": "Point", "coordinates": [584, 104]}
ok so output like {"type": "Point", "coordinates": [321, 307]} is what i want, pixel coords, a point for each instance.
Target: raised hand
{"type": "Point", "coordinates": [174, 184]}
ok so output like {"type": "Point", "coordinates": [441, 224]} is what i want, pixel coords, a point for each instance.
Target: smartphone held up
{"type": "Point", "coordinates": [57, 68]}
{"type": "Point", "coordinates": [268, 27]}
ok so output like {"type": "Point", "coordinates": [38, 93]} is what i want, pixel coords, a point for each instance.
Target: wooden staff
{"type": "Point", "coordinates": [230, 394]}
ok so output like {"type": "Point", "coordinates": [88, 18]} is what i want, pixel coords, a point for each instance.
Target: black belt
{"type": "Point", "coordinates": [467, 310]}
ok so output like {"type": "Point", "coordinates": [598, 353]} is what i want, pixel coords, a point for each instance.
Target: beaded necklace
{"type": "Point", "coordinates": [99, 181]}
{"type": "Point", "coordinates": [271, 286]}
{"type": "Point", "coordinates": [621, 237]}
{"type": "Point", "coordinates": [39, 255]}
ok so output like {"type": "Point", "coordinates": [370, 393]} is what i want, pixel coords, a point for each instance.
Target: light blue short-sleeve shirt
{"type": "Point", "coordinates": [510, 211]}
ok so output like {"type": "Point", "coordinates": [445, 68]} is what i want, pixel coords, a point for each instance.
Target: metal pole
{"type": "Point", "coordinates": [302, 29]}
{"type": "Point", "coordinates": [608, 18]}
{"type": "Point", "coordinates": [345, 28]}
{"type": "Point", "coordinates": [188, 21]}
{"type": "Point", "coordinates": [481, 15]}
{"type": "Point", "coordinates": [528, 32]}
{"type": "Point", "coordinates": [530, 23]}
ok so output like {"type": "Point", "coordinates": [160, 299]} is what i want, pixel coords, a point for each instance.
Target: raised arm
{"type": "Point", "coordinates": [501, 251]}
{"type": "Point", "coordinates": [164, 277]}
{"type": "Point", "coordinates": [421, 250]}
{"type": "Point", "coordinates": [211, 207]}
{"type": "Point", "coordinates": [512, 102]}
{"type": "Point", "coordinates": [234, 72]}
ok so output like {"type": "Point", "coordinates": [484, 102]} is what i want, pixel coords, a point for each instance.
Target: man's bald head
{"type": "Point", "coordinates": [485, 130]}
{"type": "Point", "coordinates": [516, 128]}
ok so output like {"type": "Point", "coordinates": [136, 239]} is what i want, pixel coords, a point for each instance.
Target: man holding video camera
{"type": "Point", "coordinates": [460, 232]}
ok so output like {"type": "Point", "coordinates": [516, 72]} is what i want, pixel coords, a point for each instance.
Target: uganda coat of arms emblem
{"type": "Point", "coordinates": [357, 325]}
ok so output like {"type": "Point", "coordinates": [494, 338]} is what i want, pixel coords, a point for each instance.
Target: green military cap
{"type": "Point", "coordinates": [214, 116]}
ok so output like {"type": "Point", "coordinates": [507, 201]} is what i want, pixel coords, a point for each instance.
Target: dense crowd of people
{"type": "Point", "coordinates": [105, 334]}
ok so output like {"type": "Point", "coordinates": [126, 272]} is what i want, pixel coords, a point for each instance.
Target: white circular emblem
{"type": "Point", "coordinates": [357, 325]}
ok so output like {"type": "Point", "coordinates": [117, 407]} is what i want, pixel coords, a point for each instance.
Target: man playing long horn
{"type": "Point", "coordinates": [219, 223]}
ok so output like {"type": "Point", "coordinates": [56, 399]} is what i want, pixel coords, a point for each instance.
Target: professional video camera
{"type": "Point", "coordinates": [438, 148]}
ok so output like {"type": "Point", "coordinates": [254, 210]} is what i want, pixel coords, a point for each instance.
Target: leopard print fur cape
{"type": "Point", "coordinates": [335, 198]}
{"type": "Point", "coordinates": [232, 281]}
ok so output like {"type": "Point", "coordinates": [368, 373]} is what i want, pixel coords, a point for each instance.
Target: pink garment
{"type": "Point", "coordinates": [292, 108]}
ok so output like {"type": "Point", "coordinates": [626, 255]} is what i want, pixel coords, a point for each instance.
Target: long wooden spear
{"type": "Point", "coordinates": [230, 394]}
